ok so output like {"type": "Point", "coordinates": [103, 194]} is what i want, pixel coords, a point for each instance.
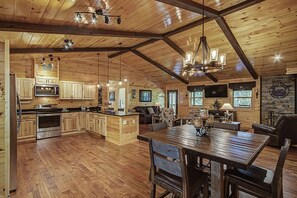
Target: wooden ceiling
{"type": "Point", "coordinates": [262, 30]}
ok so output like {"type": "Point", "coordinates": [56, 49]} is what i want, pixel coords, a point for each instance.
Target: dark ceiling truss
{"type": "Point", "coordinates": [210, 14]}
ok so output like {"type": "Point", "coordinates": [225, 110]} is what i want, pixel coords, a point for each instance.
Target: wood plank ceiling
{"type": "Point", "coordinates": [262, 30]}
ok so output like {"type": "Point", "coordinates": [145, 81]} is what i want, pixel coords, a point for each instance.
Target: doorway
{"type": "Point", "coordinates": [172, 100]}
{"type": "Point", "coordinates": [122, 99]}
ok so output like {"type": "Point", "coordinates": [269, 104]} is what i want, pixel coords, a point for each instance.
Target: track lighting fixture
{"type": "Point", "coordinates": [107, 18]}
{"type": "Point", "coordinates": [68, 44]}
{"type": "Point", "coordinates": [94, 18]}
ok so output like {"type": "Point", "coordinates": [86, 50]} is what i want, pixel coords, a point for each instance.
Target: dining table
{"type": "Point", "coordinates": [232, 148]}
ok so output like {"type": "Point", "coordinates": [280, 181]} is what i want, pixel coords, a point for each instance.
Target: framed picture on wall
{"type": "Point", "coordinates": [111, 96]}
{"type": "Point", "coordinates": [145, 96]}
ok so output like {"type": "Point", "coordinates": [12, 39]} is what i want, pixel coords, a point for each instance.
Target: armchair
{"type": "Point", "coordinates": [285, 127]}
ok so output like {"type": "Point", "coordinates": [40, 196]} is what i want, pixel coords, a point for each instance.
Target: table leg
{"type": "Point", "coordinates": [181, 122]}
{"type": "Point", "coordinates": [217, 180]}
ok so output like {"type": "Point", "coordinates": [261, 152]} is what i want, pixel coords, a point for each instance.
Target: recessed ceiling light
{"type": "Point", "coordinates": [277, 57]}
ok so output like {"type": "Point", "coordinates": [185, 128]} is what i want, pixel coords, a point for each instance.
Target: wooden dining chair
{"type": "Point", "coordinates": [174, 175]}
{"type": "Point", "coordinates": [258, 181]}
{"type": "Point", "coordinates": [157, 126]}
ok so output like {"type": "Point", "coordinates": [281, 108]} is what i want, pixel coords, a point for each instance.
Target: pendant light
{"type": "Point", "coordinates": [98, 85]}
{"type": "Point", "coordinates": [120, 81]}
{"type": "Point", "coordinates": [108, 83]}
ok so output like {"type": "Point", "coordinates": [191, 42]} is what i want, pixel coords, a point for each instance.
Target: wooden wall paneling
{"type": "Point", "coordinates": [4, 118]}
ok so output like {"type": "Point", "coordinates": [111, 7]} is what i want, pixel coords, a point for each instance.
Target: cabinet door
{"type": "Point", "coordinates": [40, 80]}
{"type": "Point", "coordinates": [90, 121]}
{"type": "Point", "coordinates": [53, 81]}
{"type": "Point", "coordinates": [27, 130]}
{"type": "Point", "coordinates": [65, 90]}
{"type": "Point", "coordinates": [77, 91]}
{"type": "Point", "coordinates": [82, 120]}
{"type": "Point", "coordinates": [89, 92]}
{"type": "Point", "coordinates": [102, 127]}
{"type": "Point", "coordinates": [69, 124]}
{"type": "Point", "coordinates": [25, 88]}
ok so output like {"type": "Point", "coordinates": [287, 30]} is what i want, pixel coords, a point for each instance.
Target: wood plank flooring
{"type": "Point", "coordinates": [84, 166]}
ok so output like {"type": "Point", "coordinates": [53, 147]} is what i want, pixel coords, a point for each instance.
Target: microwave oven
{"type": "Point", "coordinates": [47, 90]}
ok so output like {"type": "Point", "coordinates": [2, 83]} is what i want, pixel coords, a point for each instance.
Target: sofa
{"type": "Point", "coordinates": [145, 117]}
{"type": "Point", "coordinates": [285, 127]}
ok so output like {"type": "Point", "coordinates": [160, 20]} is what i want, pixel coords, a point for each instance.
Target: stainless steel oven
{"type": "Point", "coordinates": [47, 90]}
{"type": "Point", "coordinates": [48, 125]}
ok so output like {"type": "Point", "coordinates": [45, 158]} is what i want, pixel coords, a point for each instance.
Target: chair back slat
{"type": "Point", "coordinates": [165, 149]}
{"type": "Point", "coordinates": [281, 162]}
{"type": "Point", "coordinates": [157, 126]}
{"type": "Point", "coordinates": [171, 167]}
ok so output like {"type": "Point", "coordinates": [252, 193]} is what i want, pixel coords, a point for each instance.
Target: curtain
{"type": "Point", "coordinates": [242, 86]}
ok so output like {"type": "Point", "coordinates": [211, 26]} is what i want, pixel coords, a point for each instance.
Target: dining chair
{"type": "Point", "coordinates": [175, 176]}
{"type": "Point", "coordinates": [258, 181]}
{"type": "Point", "coordinates": [157, 126]}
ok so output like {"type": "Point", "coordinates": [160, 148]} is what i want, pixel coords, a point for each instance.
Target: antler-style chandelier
{"type": "Point", "coordinates": [203, 60]}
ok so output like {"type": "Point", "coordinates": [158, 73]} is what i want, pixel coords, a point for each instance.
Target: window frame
{"type": "Point", "coordinates": [243, 107]}
{"type": "Point", "coordinates": [190, 99]}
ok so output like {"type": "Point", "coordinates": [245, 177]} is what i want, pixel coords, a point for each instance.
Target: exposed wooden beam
{"type": "Point", "coordinates": [239, 6]}
{"type": "Point", "coordinates": [187, 27]}
{"type": "Point", "coordinates": [211, 77]}
{"type": "Point", "coordinates": [58, 29]}
{"type": "Point", "coordinates": [61, 50]}
{"type": "Point", "coordinates": [174, 46]}
{"type": "Point", "coordinates": [232, 40]}
{"type": "Point", "coordinates": [192, 6]}
{"type": "Point", "coordinates": [134, 47]}
{"type": "Point", "coordinates": [171, 73]}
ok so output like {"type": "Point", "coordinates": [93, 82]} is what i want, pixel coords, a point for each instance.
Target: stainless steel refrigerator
{"type": "Point", "coordinates": [15, 123]}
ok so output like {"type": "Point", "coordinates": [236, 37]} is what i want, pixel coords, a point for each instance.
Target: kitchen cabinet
{"type": "Point", "coordinates": [100, 127]}
{"type": "Point", "coordinates": [25, 88]}
{"type": "Point", "coordinates": [82, 116]}
{"type": "Point", "coordinates": [28, 128]}
{"type": "Point", "coordinates": [71, 90]}
{"type": "Point", "coordinates": [70, 122]}
{"type": "Point", "coordinates": [89, 92]}
{"type": "Point", "coordinates": [90, 122]}
{"type": "Point", "coordinates": [46, 80]}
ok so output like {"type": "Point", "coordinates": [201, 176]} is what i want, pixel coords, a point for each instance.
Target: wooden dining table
{"type": "Point", "coordinates": [236, 149]}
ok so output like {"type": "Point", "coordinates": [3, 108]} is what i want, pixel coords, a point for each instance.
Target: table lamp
{"type": "Point", "coordinates": [227, 107]}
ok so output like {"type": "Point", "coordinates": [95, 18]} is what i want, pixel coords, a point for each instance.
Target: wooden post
{"type": "Point", "coordinates": [217, 180]}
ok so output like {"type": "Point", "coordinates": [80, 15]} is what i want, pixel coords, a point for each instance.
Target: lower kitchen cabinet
{"type": "Point", "coordinates": [28, 128]}
{"type": "Point", "coordinates": [82, 116]}
{"type": "Point", "coordinates": [100, 126]}
{"type": "Point", "coordinates": [90, 122]}
{"type": "Point", "coordinates": [70, 123]}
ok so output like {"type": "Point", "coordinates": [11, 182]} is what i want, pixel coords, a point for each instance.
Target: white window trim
{"type": "Point", "coordinates": [252, 101]}
{"type": "Point", "coordinates": [190, 97]}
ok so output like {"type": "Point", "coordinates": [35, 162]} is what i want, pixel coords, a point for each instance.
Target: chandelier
{"type": "Point", "coordinates": [203, 59]}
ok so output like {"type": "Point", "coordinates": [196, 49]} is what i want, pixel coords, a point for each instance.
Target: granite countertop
{"type": "Point", "coordinates": [73, 110]}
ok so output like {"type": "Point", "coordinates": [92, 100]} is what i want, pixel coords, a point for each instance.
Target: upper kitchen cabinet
{"type": "Point", "coordinates": [89, 92]}
{"type": "Point", "coordinates": [47, 72]}
{"type": "Point", "coordinates": [71, 90]}
{"type": "Point", "coordinates": [47, 80]}
{"type": "Point", "coordinates": [25, 88]}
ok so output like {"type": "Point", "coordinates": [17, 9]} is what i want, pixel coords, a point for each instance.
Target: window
{"type": "Point", "coordinates": [172, 100]}
{"type": "Point", "coordinates": [196, 98]}
{"type": "Point", "coordinates": [242, 98]}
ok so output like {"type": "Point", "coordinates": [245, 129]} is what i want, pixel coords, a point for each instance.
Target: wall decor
{"type": "Point", "coordinates": [279, 90]}
{"type": "Point", "coordinates": [133, 93]}
{"type": "Point", "coordinates": [112, 96]}
{"type": "Point", "coordinates": [145, 95]}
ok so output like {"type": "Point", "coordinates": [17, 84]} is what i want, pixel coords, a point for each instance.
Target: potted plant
{"type": "Point", "coordinates": [216, 105]}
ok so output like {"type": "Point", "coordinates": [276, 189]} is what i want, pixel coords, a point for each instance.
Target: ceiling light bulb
{"type": "Point", "coordinates": [277, 58]}
{"type": "Point", "coordinates": [78, 17]}
{"type": "Point", "coordinates": [107, 84]}
{"type": "Point", "coordinates": [98, 85]}
{"type": "Point", "coordinates": [120, 82]}
{"type": "Point", "coordinates": [125, 80]}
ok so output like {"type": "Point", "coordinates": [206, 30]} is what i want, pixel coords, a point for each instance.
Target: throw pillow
{"type": "Point", "coordinates": [151, 110]}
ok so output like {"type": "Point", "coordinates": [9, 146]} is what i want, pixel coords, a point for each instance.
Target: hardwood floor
{"type": "Point", "coordinates": [84, 166]}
